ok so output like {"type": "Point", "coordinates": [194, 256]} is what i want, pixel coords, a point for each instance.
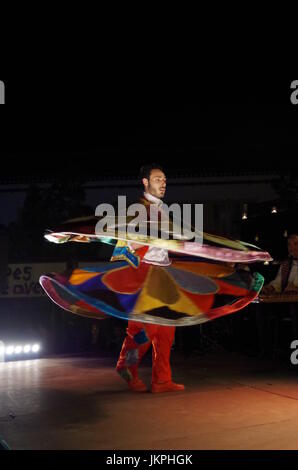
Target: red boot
{"type": "Point", "coordinates": [137, 385]}
{"type": "Point", "coordinates": [134, 383]}
{"type": "Point", "coordinates": [166, 387]}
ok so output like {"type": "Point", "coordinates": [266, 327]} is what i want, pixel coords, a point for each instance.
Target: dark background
{"type": "Point", "coordinates": [113, 120]}
{"type": "Point", "coordinates": [108, 122]}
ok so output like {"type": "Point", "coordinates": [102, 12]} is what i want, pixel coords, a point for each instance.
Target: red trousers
{"type": "Point", "coordinates": [139, 338]}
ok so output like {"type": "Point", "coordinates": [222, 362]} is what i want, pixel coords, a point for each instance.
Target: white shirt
{"type": "Point", "coordinates": [154, 255]}
{"type": "Point", "coordinates": [293, 277]}
{"type": "Point", "coordinates": [157, 202]}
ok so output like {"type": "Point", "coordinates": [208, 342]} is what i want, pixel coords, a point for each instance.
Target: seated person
{"type": "Point", "coordinates": [286, 280]}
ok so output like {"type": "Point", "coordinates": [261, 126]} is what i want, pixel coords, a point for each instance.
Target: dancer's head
{"type": "Point", "coordinates": [154, 180]}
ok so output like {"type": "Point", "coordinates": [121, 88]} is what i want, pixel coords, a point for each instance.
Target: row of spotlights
{"type": "Point", "coordinates": [27, 348]}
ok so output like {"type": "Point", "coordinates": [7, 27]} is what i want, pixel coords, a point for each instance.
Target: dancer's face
{"type": "Point", "coordinates": [156, 185]}
{"type": "Point", "coordinates": [293, 245]}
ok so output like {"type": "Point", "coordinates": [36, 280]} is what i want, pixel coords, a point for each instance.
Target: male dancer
{"type": "Point", "coordinates": [140, 336]}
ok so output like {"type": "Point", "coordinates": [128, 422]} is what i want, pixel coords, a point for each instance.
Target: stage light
{"type": "Point", "coordinates": [273, 210]}
{"type": "Point", "coordinates": [244, 212]}
{"type": "Point", "coordinates": [19, 351]}
{"type": "Point", "coordinates": [9, 350]}
{"type": "Point", "coordinates": [2, 351]}
{"type": "Point", "coordinates": [266, 263]}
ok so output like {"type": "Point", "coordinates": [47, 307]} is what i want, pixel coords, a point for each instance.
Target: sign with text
{"type": "Point", "coordinates": [22, 280]}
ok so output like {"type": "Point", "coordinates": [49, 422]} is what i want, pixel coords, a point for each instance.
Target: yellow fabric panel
{"type": "Point", "coordinates": [159, 291]}
{"type": "Point", "coordinates": [121, 243]}
{"type": "Point", "coordinates": [161, 286]}
{"type": "Point", "coordinates": [78, 276]}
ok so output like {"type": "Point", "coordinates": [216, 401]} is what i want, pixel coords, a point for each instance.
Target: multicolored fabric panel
{"type": "Point", "coordinates": [213, 247]}
{"type": "Point", "coordinates": [184, 293]}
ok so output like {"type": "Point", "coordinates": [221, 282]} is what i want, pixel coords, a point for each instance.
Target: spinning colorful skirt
{"type": "Point", "coordinates": [203, 282]}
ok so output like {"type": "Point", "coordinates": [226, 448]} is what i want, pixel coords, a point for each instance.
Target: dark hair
{"type": "Point", "coordinates": [145, 170]}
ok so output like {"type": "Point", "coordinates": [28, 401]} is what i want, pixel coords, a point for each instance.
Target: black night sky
{"type": "Point", "coordinates": [111, 124]}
